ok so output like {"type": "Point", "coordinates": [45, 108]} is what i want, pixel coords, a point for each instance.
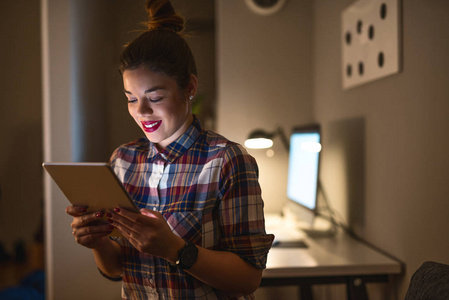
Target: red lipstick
{"type": "Point", "coordinates": [151, 126]}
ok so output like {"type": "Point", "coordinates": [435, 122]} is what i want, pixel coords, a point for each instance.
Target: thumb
{"type": "Point", "coordinates": [148, 212]}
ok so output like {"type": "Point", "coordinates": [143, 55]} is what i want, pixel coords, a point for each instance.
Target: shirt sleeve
{"type": "Point", "coordinates": [113, 158]}
{"type": "Point", "coordinates": [242, 224]}
{"type": "Point", "coordinates": [117, 278]}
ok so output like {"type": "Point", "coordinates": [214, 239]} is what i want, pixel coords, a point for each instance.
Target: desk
{"type": "Point", "coordinates": [326, 260]}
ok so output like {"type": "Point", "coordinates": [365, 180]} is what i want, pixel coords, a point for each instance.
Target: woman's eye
{"type": "Point", "coordinates": [155, 100]}
{"type": "Point", "coordinates": [151, 100]}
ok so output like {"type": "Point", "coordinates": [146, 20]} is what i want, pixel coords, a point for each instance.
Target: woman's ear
{"type": "Point", "coordinates": [192, 86]}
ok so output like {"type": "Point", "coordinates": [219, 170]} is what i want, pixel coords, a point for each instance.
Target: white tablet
{"type": "Point", "coordinates": [92, 184]}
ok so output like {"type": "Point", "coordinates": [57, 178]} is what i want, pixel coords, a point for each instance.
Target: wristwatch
{"type": "Point", "coordinates": [187, 256]}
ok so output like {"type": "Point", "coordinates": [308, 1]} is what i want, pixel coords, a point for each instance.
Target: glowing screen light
{"type": "Point", "coordinates": [311, 146]}
{"type": "Point", "coordinates": [303, 168]}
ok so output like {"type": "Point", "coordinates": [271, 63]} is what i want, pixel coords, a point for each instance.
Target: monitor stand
{"type": "Point", "coordinates": [309, 223]}
{"type": "Point", "coordinates": [315, 232]}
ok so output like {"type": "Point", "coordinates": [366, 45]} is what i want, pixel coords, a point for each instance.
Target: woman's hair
{"type": "Point", "coordinates": [161, 48]}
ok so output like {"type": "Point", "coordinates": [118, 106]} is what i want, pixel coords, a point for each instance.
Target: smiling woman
{"type": "Point", "coordinates": [157, 104]}
{"type": "Point", "coordinates": [200, 232]}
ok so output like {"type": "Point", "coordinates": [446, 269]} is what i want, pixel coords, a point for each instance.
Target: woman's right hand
{"type": "Point", "coordinates": [89, 229]}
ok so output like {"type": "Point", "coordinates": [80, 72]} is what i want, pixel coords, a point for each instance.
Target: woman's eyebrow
{"type": "Point", "coordinates": [154, 89]}
{"type": "Point", "coordinates": [147, 91]}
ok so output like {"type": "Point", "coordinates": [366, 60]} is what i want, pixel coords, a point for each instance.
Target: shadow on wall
{"type": "Point", "coordinates": [346, 142]}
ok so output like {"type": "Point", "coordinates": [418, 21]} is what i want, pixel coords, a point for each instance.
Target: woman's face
{"type": "Point", "coordinates": [157, 104]}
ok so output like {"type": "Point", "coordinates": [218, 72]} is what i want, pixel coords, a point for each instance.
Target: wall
{"type": "Point", "coordinates": [385, 161]}
{"type": "Point", "coordinates": [74, 58]}
{"type": "Point", "coordinates": [399, 125]}
{"type": "Point", "coordinates": [20, 123]}
{"type": "Point", "coordinates": [264, 71]}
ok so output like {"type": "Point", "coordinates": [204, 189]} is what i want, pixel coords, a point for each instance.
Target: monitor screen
{"type": "Point", "coordinates": [303, 166]}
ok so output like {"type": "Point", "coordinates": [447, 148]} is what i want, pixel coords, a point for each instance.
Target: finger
{"type": "Point", "coordinates": [136, 222]}
{"type": "Point", "coordinates": [87, 219]}
{"type": "Point", "coordinates": [99, 230]}
{"type": "Point", "coordinates": [88, 239]}
{"type": "Point", "coordinates": [150, 217]}
{"type": "Point", "coordinates": [133, 237]}
{"type": "Point", "coordinates": [131, 215]}
{"type": "Point", "coordinates": [150, 213]}
{"type": "Point", "coordinates": [125, 225]}
{"type": "Point", "coordinates": [76, 210]}
{"type": "Point", "coordinates": [133, 241]}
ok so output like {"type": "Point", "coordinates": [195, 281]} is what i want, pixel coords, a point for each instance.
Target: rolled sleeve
{"type": "Point", "coordinates": [242, 225]}
{"type": "Point", "coordinates": [251, 248]}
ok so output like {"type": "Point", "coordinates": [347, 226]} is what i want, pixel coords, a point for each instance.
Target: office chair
{"type": "Point", "coordinates": [429, 282]}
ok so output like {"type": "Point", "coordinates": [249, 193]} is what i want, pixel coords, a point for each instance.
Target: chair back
{"type": "Point", "coordinates": [429, 282]}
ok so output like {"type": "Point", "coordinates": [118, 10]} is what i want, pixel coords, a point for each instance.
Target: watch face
{"type": "Point", "coordinates": [188, 256]}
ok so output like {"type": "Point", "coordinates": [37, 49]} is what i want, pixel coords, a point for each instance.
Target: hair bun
{"type": "Point", "coordinates": [161, 15]}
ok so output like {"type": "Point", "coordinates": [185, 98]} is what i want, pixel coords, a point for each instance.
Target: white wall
{"type": "Point", "coordinates": [74, 121]}
{"type": "Point", "coordinates": [264, 80]}
{"type": "Point", "coordinates": [264, 73]}
{"type": "Point", "coordinates": [400, 125]}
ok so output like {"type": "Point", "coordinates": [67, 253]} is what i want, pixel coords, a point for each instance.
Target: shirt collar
{"type": "Point", "coordinates": [178, 147]}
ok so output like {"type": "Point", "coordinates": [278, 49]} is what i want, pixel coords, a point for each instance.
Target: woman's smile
{"type": "Point", "coordinates": [151, 126]}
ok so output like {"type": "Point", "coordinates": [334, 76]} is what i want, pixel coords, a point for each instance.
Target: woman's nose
{"type": "Point", "coordinates": [144, 108]}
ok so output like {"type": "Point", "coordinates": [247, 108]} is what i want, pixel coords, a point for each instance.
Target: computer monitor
{"type": "Point", "coordinates": [303, 172]}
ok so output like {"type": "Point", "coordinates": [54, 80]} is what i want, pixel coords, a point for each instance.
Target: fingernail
{"type": "Point", "coordinates": [117, 210]}
{"type": "Point", "coordinates": [109, 215]}
{"type": "Point", "coordinates": [99, 215]}
{"type": "Point", "coordinates": [83, 209]}
{"type": "Point", "coordinates": [110, 221]}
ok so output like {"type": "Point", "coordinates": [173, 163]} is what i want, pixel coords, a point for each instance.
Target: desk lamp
{"type": "Point", "coordinates": [303, 167]}
{"type": "Point", "coordinates": [261, 139]}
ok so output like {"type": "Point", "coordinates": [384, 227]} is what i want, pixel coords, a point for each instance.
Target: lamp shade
{"type": "Point", "coordinates": [259, 139]}
{"type": "Point", "coordinates": [258, 143]}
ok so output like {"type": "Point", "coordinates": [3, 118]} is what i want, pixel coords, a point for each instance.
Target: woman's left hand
{"type": "Point", "coordinates": [147, 232]}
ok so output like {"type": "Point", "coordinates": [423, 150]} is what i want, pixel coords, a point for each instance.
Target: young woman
{"type": "Point", "coordinates": [200, 232]}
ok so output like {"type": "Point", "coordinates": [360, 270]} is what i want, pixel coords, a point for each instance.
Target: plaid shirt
{"type": "Point", "coordinates": [207, 189]}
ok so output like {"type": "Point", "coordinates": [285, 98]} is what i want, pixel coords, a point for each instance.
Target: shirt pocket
{"type": "Point", "coordinates": [187, 225]}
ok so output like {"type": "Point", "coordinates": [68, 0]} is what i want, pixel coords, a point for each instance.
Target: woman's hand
{"type": "Point", "coordinates": [88, 228]}
{"type": "Point", "coordinates": [147, 232]}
